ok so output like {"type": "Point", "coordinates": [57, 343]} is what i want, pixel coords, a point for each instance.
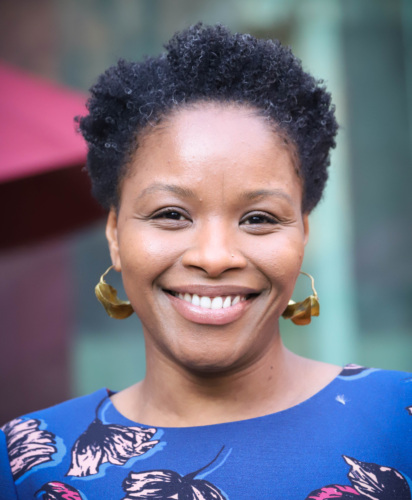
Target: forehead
{"type": "Point", "coordinates": [213, 127]}
{"type": "Point", "coordinates": [213, 141]}
{"type": "Point", "coordinates": [218, 127]}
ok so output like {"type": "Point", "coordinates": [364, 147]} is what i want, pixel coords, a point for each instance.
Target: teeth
{"type": "Point", "coordinates": [236, 300]}
{"type": "Point", "coordinates": [217, 303]}
{"type": "Point", "coordinates": [209, 302]}
{"type": "Point", "coordinates": [205, 302]}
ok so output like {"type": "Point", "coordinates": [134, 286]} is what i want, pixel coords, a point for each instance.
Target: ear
{"type": "Point", "coordinates": [305, 219]}
{"type": "Point", "coordinates": [111, 235]}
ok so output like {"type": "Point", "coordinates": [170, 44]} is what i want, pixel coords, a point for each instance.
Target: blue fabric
{"type": "Point", "coordinates": [352, 440]}
{"type": "Point", "coordinates": [7, 489]}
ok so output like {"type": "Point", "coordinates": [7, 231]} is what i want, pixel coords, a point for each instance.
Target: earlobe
{"type": "Point", "coordinates": [305, 228]}
{"type": "Point", "coordinates": [111, 235]}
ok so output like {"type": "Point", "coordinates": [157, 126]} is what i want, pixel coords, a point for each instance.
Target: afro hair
{"type": "Point", "coordinates": [208, 63]}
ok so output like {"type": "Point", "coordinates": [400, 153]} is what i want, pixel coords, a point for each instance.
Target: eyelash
{"type": "Point", "coordinates": [268, 219]}
{"type": "Point", "coordinates": [176, 215]}
{"type": "Point", "coordinates": [164, 213]}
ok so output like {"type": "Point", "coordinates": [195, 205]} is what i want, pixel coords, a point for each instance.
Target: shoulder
{"type": "Point", "coordinates": [32, 439]}
{"type": "Point", "coordinates": [390, 388]}
{"type": "Point", "coordinates": [376, 376]}
{"type": "Point", "coordinates": [8, 489]}
{"type": "Point", "coordinates": [66, 415]}
{"type": "Point", "coordinates": [69, 414]}
{"type": "Point", "coordinates": [84, 405]}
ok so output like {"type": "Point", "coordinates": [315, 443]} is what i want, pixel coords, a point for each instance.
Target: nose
{"type": "Point", "coordinates": [214, 250]}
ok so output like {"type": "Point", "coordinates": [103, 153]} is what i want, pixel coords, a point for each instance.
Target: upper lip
{"type": "Point", "coordinates": [213, 290]}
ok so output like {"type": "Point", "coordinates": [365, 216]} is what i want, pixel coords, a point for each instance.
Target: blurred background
{"type": "Point", "coordinates": [55, 339]}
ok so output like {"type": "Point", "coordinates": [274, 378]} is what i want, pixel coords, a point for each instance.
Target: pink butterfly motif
{"type": "Point", "coordinates": [27, 445]}
{"type": "Point", "coordinates": [335, 491]}
{"type": "Point", "coordinates": [164, 484]}
{"type": "Point", "coordinates": [56, 490]}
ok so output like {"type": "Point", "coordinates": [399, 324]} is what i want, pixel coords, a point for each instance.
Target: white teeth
{"type": "Point", "coordinates": [227, 302]}
{"type": "Point", "coordinates": [217, 303]}
{"type": "Point", "coordinates": [205, 302]}
{"type": "Point", "coordinates": [209, 302]}
{"type": "Point", "coordinates": [236, 300]}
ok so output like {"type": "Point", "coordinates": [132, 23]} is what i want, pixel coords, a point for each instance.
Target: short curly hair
{"type": "Point", "coordinates": [208, 63]}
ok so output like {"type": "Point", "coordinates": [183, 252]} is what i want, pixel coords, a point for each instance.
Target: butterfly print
{"type": "Point", "coordinates": [102, 443]}
{"type": "Point", "coordinates": [167, 484]}
{"type": "Point", "coordinates": [27, 445]}
{"type": "Point", "coordinates": [352, 369]}
{"type": "Point", "coordinates": [369, 482]}
{"type": "Point", "coordinates": [409, 409]}
{"type": "Point", "coordinates": [335, 491]}
{"type": "Point", "coordinates": [58, 491]}
{"type": "Point", "coordinates": [377, 482]}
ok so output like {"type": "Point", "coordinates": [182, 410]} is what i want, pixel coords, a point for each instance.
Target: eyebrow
{"type": "Point", "coordinates": [188, 193]}
{"type": "Point", "coordinates": [262, 193]}
{"type": "Point", "coordinates": [170, 188]}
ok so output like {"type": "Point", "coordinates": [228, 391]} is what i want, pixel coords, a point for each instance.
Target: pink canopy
{"type": "Point", "coordinates": [37, 133]}
{"type": "Point", "coordinates": [42, 184]}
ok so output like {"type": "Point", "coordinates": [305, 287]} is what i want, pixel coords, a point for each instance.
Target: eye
{"type": "Point", "coordinates": [169, 214]}
{"type": "Point", "coordinates": [259, 223]}
{"type": "Point", "coordinates": [259, 218]}
{"type": "Point", "coordinates": [170, 218]}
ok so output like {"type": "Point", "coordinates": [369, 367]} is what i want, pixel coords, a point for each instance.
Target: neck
{"type": "Point", "coordinates": [172, 396]}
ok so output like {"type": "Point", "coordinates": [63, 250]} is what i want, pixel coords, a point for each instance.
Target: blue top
{"type": "Point", "coordinates": [351, 440]}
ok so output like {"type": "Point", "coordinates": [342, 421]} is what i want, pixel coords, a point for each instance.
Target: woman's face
{"type": "Point", "coordinates": [209, 236]}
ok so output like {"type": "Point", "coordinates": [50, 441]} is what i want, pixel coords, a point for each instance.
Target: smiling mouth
{"type": "Point", "coordinates": [206, 302]}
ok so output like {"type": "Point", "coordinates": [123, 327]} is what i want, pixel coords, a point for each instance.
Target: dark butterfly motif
{"type": "Point", "coordinates": [168, 484]}
{"type": "Point", "coordinates": [369, 482]}
{"type": "Point", "coordinates": [102, 443]}
{"type": "Point", "coordinates": [58, 491]}
{"type": "Point", "coordinates": [27, 445]}
{"type": "Point", "coordinates": [352, 369]}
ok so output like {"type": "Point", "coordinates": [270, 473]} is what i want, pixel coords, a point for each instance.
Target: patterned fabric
{"type": "Point", "coordinates": [350, 441]}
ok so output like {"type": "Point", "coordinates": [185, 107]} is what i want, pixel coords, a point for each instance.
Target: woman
{"type": "Point", "coordinates": [210, 160]}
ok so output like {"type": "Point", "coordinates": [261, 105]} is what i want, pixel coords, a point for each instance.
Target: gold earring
{"type": "Point", "coordinates": [107, 296]}
{"type": "Point", "coordinates": [301, 312]}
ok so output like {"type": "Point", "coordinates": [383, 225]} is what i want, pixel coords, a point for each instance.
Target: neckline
{"type": "Point", "coordinates": [108, 405]}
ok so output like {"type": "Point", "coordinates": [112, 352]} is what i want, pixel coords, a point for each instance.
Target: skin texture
{"type": "Point", "coordinates": [212, 205]}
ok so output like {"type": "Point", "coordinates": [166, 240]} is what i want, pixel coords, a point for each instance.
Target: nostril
{"type": "Point", "coordinates": [213, 260]}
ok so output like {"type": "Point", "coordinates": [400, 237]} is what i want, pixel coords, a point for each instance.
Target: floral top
{"type": "Point", "coordinates": [352, 440]}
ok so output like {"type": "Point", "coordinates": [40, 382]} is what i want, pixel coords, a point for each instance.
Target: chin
{"type": "Point", "coordinates": [208, 368]}
{"type": "Point", "coordinates": [209, 361]}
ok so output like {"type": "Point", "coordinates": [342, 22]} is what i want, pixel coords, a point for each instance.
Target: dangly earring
{"type": "Point", "coordinates": [301, 312]}
{"type": "Point", "coordinates": [107, 296]}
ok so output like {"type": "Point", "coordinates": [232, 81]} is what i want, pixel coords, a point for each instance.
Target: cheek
{"type": "Point", "coordinates": [144, 255]}
{"type": "Point", "coordinates": [281, 261]}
